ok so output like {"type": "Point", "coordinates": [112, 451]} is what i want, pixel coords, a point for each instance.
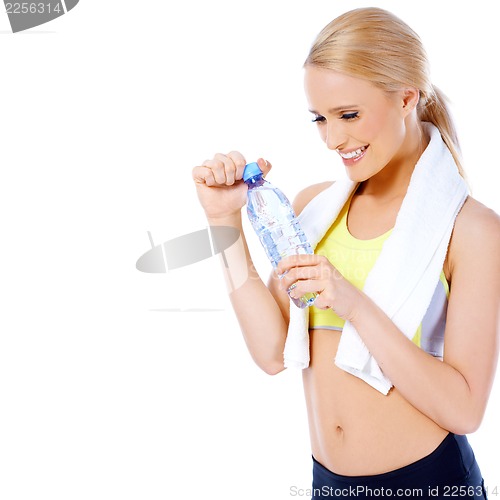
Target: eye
{"type": "Point", "coordinates": [350, 116]}
{"type": "Point", "coordinates": [318, 119]}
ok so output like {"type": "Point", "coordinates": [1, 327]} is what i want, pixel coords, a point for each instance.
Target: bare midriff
{"type": "Point", "coordinates": [356, 430]}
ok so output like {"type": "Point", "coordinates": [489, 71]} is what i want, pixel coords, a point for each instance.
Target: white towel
{"type": "Point", "coordinates": [406, 273]}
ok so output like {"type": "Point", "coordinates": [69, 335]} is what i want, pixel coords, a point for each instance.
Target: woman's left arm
{"type": "Point", "coordinates": [453, 392]}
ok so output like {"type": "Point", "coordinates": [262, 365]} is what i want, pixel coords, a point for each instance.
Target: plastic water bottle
{"type": "Point", "coordinates": [274, 221]}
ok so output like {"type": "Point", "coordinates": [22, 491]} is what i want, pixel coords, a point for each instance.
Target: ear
{"type": "Point", "coordinates": [409, 100]}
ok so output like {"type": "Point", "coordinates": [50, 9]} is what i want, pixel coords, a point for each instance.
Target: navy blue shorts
{"type": "Point", "coordinates": [449, 471]}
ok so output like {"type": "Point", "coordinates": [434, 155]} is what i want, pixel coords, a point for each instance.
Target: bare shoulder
{"type": "Point", "coordinates": [476, 232]}
{"type": "Point", "coordinates": [307, 194]}
{"type": "Point", "coordinates": [476, 219]}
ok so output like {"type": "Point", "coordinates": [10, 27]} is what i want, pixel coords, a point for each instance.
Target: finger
{"type": "Point", "coordinates": [299, 274]}
{"type": "Point", "coordinates": [203, 175]}
{"type": "Point", "coordinates": [224, 171]}
{"type": "Point", "coordinates": [264, 165]}
{"type": "Point", "coordinates": [218, 165]}
{"type": "Point", "coordinates": [299, 260]}
{"type": "Point", "coordinates": [301, 287]}
{"type": "Point", "coordinates": [229, 168]}
{"type": "Point", "coordinates": [239, 162]}
{"type": "Point", "coordinates": [322, 302]}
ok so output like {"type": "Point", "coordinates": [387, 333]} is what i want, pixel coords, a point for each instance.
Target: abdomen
{"type": "Point", "coordinates": [356, 430]}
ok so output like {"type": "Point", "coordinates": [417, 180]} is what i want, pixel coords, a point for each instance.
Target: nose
{"type": "Point", "coordinates": [335, 136]}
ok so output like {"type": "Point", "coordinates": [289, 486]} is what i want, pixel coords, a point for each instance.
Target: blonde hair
{"type": "Point", "coordinates": [375, 45]}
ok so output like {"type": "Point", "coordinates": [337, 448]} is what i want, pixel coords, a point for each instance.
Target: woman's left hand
{"type": "Point", "coordinates": [305, 273]}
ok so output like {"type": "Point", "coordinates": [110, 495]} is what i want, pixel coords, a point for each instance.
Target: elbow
{"type": "Point", "coordinates": [466, 423]}
{"type": "Point", "coordinates": [469, 426]}
{"type": "Point", "coordinates": [462, 428]}
{"type": "Point", "coordinates": [268, 363]}
{"type": "Point", "coordinates": [272, 368]}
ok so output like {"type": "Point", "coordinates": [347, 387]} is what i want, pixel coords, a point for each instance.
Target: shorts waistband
{"type": "Point", "coordinates": [448, 445]}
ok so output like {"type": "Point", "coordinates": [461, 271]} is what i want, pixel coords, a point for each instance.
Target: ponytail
{"type": "Point", "coordinates": [435, 109]}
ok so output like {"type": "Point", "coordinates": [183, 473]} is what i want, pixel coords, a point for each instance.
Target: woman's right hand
{"type": "Point", "coordinates": [219, 184]}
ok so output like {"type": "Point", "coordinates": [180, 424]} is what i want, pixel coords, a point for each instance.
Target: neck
{"type": "Point", "coordinates": [393, 180]}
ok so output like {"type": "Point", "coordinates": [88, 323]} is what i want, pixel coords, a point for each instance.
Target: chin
{"type": "Point", "coordinates": [357, 176]}
{"type": "Point", "coordinates": [361, 173]}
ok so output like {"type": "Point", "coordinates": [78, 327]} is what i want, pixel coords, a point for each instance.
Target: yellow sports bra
{"type": "Point", "coordinates": [354, 259]}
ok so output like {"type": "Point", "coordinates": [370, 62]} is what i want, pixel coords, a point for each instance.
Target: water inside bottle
{"type": "Point", "coordinates": [283, 240]}
{"type": "Point", "coordinates": [279, 231]}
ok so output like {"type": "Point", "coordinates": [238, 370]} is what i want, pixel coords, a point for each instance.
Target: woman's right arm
{"type": "Point", "coordinates": [262, 313]}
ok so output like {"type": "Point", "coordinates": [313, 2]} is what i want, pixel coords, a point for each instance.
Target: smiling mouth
{"type": "Point", "coordinates": [353, 154]}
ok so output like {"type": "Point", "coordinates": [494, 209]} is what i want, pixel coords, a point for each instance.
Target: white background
{"type": "Point", "coordinates": [104, 112]}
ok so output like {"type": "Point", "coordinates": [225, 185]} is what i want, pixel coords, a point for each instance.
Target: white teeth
{"type": "Point", "coordinates": [353, 154]}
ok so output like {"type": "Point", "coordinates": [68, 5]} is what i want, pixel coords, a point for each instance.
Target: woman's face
{"type": "Point", "coordinates": [364, 124]}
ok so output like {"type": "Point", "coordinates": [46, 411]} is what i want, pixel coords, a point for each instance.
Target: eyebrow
{"type": "Point", "coordinates": [337, 109]}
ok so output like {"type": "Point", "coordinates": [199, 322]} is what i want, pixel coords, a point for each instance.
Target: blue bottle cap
{"type": "Point", "coordinates": [251, 170]}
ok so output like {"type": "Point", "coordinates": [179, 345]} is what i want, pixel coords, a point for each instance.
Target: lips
{"type": "Point", "coordinates": [353, 154]}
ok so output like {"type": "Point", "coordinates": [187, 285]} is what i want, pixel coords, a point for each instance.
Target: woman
{"type": "Point", "coordinates": [368, 87]}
